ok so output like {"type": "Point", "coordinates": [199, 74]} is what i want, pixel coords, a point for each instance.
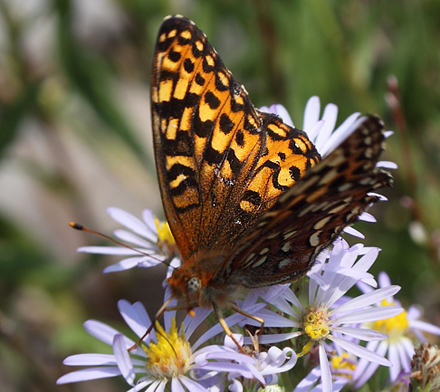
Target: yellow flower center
{"type": "Point", "coordinates": [170, 356]}
{"type": "Point", "coordinates": [316, 326]}
{"type": "Point", "coordinates": [165, 239]}
{"type": "Point", "coordinates": [395, 327]}
{"type": "Point", "coordinates": [316, 323]}
{"type": "Point", "coordinates": [343, 363]}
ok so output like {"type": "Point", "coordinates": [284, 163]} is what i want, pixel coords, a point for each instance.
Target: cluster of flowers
{"type": "Point", "coordinates": [338, 339]}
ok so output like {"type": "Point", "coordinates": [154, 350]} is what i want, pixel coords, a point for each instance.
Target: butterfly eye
{"type": "Point", "coordinates": [193, 285]}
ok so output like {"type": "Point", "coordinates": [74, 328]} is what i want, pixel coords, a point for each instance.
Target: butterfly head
{"type": "Point", "coordinates": [193, 287]}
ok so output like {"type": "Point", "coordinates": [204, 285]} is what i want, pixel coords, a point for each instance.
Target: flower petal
{"type": "Point", "coordinates": [123, 359]}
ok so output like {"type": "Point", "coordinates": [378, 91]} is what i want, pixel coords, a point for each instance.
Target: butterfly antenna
{"type": "Point", "coordinates": [159, 314]}
{"type": "Point", "coordinates": [80, 227]}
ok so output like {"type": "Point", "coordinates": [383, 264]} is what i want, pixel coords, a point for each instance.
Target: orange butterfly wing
{"type": "Point", "coordinates": [220, 162]}
{"type": "Point", "coordinates": [284, 242]}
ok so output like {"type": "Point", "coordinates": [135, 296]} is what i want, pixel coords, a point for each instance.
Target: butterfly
{"type": "Point", "coordinates": [249, 199]}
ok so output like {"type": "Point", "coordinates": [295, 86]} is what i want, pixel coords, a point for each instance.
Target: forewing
{"type": "Point", "coordinates": [284, 242]}
{"type": "Point", "coordinates": [210, 143]}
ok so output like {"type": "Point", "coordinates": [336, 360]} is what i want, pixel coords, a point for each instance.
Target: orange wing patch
{"type": "Point", "coordinates": [220, 162]}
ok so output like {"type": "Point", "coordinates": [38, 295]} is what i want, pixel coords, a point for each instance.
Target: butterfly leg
{"type": "Point", "coordinates": [225, 327]}
{"type": "Point", "coordinates": [251, 316]}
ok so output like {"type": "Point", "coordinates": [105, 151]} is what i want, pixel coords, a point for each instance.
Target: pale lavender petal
{"type": "Point", "coordinates": [290, 296]}
{"type": "Point", "coordinates": [387, 165]}
{"type": "Point", "coordinates": [128, 236]}
{"type": "Point", "coordinates": [122, 265]}
{"type": "Point", "coordinates": [108, 250]}
{"type": "Point", "coordinates": [157, 386]}
{"type": "Point", "coordinates": [236, 386]}
{"type": "Point", "coordinates": [89, 374]}
{"type": "Point", "coordinates": [424, 326]}
{"type": "Point", "coordinates": [368, 299]}
{"type": "Point", "coordinates": [369, 314]}
{"type": "Point", "coordinates": [330, 115]}
{"type": "Point", "coordinates": [130, 222]}
{"type": "Point", "coordinates": [123, 359]}
{"type": "Point", "coordinates": [176, 386]}
{"type": "Point", "coordinates": [148, 217]}
{"type": "Point", "coordinates": [221, 352]}
{"type": "Point", "coordinates": [365, 369]}
{"type": "Point", "coordinates": [307, 382]}
{"type": "Point", "coordinates": [135, 316]}
{"type": "Point", "coordinates": [379, 196]}
{"type": "Point", "coordinates": [314, 131]}
{"type": "Point", "coordinates": [359, 351]}
{"type": "Point", "coordinates": [413, 313]}
{"type": "Point", "coordinates": [367, 217]}
{"type": "Point", "coordinates": [90, 360]}
{"type": "Point", "coordinates": [326, 375]}
{"type": "Point", "coordinates": [394, 358]}
{"type": "Point", "coordinates": [408, 346]}
{"type": "Point", "coordinates": [141, 385]}
{"type": "Point", "coordinates": [191, 385]}
{"type": "Point", "coordinates": [384, 279]}
{"type": "Point", "coordinates": [311, 113]}
{"type": "Point", "coordinates": [279, 357]}
{"type": "Point", "coordinates": [405, 359]}
{"type": "Point", "coordinates": [275, 338]}
{"type": "Point", "coordinates": [191, 323]}
{"type": "Point", "coordinates": [361, 333]}
{"type": "Point", "coordinates": [352, 231]}
{"type": "Point", "coordinates": [340, 134]}
{"type": "Point", "coordinates": [356, 274]}
{"type": "Point", "coordinates": [101, 331]}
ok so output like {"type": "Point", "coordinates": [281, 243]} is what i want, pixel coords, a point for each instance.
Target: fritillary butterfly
{"type": "Point", "coordinates": [248, 198]}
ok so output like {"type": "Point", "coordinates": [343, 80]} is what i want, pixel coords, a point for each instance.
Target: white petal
{"type": "Point", "coordinates": [369, 314]}
{"type": "Point", "coordinates": [367, 299]}
{"type": "Point", "coordinates": [359, 351]}
{"type": "Point", "coordinates": [129, 221]}
{"type": "Point", "coordinates": [90, 360]}
{"type": "Point", "coordinates": [387, 165]}
{"type": "Point", "coordinates": [123, 359]}
{"type": "Point", "coordinates": [124, 264]}
{"type": "Point", "coordinates": [89, 374]}
{"type": "Point", "coordinates": [129, 236]}
{"type": "Point", "coordinates": [322, 141]}
{"type": "Point", "coordinates": [311, 114]}
{"type": "Point", "coordinates": [340, 134]}
{"type": "Point", "coordinates": [424, 326]}
{"type": "Point", "coordinates": [366, 217]}
{"type": "Point", "coordinates": [361, 333]}
{"type": "Point", "coordinates": [108, 250]}
{"type": "Point", "coordinates": [326, 376]}
{"type": "Point", "coordinates": [101, 331]}
{"type": "Point", "coordinates": [191, 385]}
{"type": "Point", "coordinates": [352, 231]}
{"type": "Point", "coordinates": [135, 316]}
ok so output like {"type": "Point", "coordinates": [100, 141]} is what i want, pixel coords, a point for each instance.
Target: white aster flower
{"type": "Point", "coordinates": [165, 357]}
{"type": "Point", "coordinates": [269, 363]}
{"type": "Point", "coordinates": [151, 239]}
{"type": "Point", "coordinates": [403, 331]}
{"type": "Point", "coordinates": [328, 316]}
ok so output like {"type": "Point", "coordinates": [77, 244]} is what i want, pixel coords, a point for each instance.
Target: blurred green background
{"type": "Point", "coordinates": [75, 139]}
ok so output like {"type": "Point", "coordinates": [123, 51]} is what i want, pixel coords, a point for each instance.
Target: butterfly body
{"type": "Point", "coordinates": [248, 198]}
